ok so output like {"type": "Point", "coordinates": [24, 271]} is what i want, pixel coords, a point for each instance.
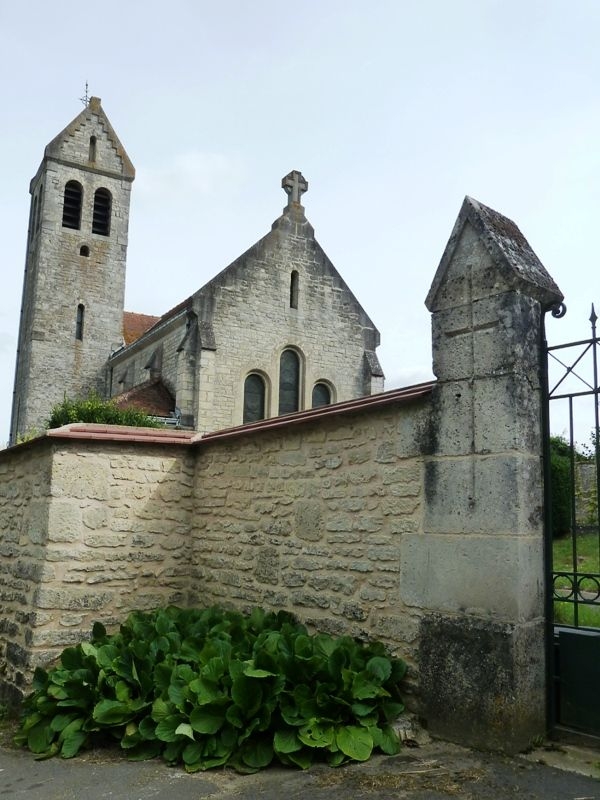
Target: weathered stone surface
{"type": "Point", "coordinates": [462, 494]}
{"type": "Point", "coordinates": [500, 575]}
{"type": "Point", "coordinates": [480, 681]}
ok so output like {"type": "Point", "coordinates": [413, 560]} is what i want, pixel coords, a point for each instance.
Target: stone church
{"type": "Point", "coordinates": [277, 331]}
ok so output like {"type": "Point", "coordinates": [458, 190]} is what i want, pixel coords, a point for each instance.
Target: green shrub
{"type": "Point", "coordinates": [212, 687]}
{"type": "Point", "coordinates": [560, 481]}
{"type": "Point", "coordinates": [94, 409]}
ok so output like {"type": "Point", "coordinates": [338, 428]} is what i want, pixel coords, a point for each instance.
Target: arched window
{"type": "Point", "coordinates": [92, 153]}
{"type": "Point", "coordinates": [72, 205]}
{"type": "Point", "coordinates": [289, 382]}
{"type": "Point", "coordinates": [294, 289]}
{"type": "Point", "coordinates": [101, 218]}
{"type": "Point", "coordinates": [84, 250]}
{"type": "Point", "coordinates": [79, 322]}
{"type": "Point", "coordinates": [254, 398]}
{"type": "Point", "coordinates": [321, 395]}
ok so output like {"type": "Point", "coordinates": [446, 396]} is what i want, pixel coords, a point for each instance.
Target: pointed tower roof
{"type": "Point", "coordinates": [93, 115]}
{"type": "Point", "coordinates": [508, 248]}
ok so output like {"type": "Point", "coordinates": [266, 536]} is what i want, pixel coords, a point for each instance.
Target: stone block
{"type": "Point", "coordinates": [500, 576]}
{"type": "Point", "coordinates": [490, 337]}
{"type": "Point", "coordinates": [64, 521]}
{"type": "Point", "coordinates": [489, 415]}
{"type": "Point", "coordinates": [81, 478]}
{"type": "Point", "coordinates": [480, 494]}
{"type": "Point", "coordinates": [482, 683]}
{"type": "Point", "coordinates": [267, 565]}
{"type": "Point", "coordinates": [308, 520]}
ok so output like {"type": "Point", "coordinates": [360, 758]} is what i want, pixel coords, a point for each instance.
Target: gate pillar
{"type": "Point", "coordinates": [477, 568]}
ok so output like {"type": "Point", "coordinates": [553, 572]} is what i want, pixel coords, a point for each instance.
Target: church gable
{"type": "Point", "coordinates": [90, 141]}
{"type": "Point", "coordinates": [290, 266]}
{"type": "Point", "coordinates": [276, 331]}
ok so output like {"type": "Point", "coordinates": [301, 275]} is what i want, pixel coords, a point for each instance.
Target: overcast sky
{"type": "Point", "coordinates": [393, 111]}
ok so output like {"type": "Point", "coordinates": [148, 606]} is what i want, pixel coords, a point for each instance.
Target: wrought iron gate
{"type": "Point", "coordinates": [572, 489]}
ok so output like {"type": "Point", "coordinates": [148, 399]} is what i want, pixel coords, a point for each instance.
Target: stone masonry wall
{"type": "Point", "coordinates": [88, 532]}
{"type": "Point", "coordinates": [312, 519]}
{"type": "Point", "coordinates": [24, 497]}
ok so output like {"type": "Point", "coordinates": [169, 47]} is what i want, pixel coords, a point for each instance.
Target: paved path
{"type": "Point", "coordinates": [437, 771]}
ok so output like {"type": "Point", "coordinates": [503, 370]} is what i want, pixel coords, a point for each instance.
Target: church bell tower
{"type": "Point", "coordinates": [74, 286]}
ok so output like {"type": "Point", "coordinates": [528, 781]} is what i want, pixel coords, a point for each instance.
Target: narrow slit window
{"type": "Point", "coordinates": [321, 395]}
{"type": "Point", "coordinates": [289, 382]}
{"type": "Point", "coordinates": [92, 155]}
{"type": "Point", "coordinates": [254, 398]}
{"type": "Point", "coordinates": [72, 205]}
{"type": "Point", "coordinates": [294, 279]}
{"type": "Point", "coordinates": [79, 322]}
{"type": "Point", "coordinates": [33, 218]}
{"type": "Point", "coordinates": [102, 208]}
{"type": "Point", "coordinates": [39, 208]}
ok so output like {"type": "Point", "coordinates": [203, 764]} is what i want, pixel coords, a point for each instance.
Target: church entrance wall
{"type": "Point", "coordinates": [414, 516]}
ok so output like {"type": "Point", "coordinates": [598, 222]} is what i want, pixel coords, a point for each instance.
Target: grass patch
{"type": "Point", "coordinates": [588, 616]}
{"type": "Point", "coordinates": [588, 556]}
{"type": "Point", "coordinates": [588, 561]}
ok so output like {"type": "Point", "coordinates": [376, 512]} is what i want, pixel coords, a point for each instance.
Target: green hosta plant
{"type": "Point", "coordinates": [212, 687]}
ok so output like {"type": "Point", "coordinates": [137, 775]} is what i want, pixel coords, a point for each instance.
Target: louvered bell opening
{"type": "Point", "coordinates": [72, 206]}
{"type": "Point", "coordinates": [101, 218]}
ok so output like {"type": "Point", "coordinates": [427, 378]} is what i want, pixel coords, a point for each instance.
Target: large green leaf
{"type": "Point", "coordinates": [207, 719]}
{"type": "Point", "coordinates": [60, 721]}
{"type": "Point", "coordinates": [301, 758]}
{"type": "Point", "coordinates": [193, 753]}
{"type": "Point", "coordinates": [247, 693]}
{"type": "Point", "coordinates": [391, 710]}
{"type": "Point", "coordinates": [365, 687]}
{"type": "Point", "coordinates": [147, 728]}
{"type": "Point", "coordinates": [316, 734]}
{"type": "Point", "coordinates": [257, 753]}
{"type": "Point", "coordinates": [386, 739]}
{"type": "Point", "coordinates": [145, 750]}
{"type": "Point", "coordinates": [380, 668]}
{"type": "Point", "coordinates": [161, 709]}
{"type": "Point", "coordinates": [39, 737]}
{"type": "Point", "coordinates": [355, 741]}
{"type": "Point", "coordinates": [112, 712]}
{"type": "Point", "coordinates": [166, 729]}
{"type": "Point", "coordinates": [185, 729]}
{"type": "Point", "coordinates": [253, 672]}
{"type": "Point", "coordinates": [286, 741]}
{"type": "Point", "coordinates": [71, 658]}
{"type": "Point", "coordinates": [204, 691]}
{"type": "Point", "coordinates": [72, 743]}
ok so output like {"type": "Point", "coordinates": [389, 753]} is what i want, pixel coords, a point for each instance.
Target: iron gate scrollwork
{"type": "Point", "coordinates": [572, 490]}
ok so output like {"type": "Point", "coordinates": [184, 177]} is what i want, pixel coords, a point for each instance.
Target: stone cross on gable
{"type": "Point", "coordinates": [295, 185]}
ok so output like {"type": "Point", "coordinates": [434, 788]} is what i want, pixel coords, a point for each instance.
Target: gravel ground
{"type": "Point", "coordinates": [435, 771]}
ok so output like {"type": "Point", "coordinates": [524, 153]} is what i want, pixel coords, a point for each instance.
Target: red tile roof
{"type": "Point", "coordinates": [152, 396]}
{"type": "Point", "coordinates": [136, 325]}
{"type": "Point", "coordinates": [120, 433]}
